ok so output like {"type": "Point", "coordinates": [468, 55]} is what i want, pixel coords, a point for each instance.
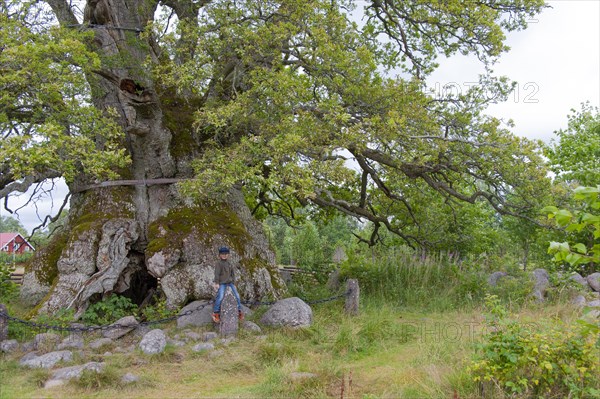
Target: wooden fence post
{"type": "Point", "coordinates": [229, 315]}
{"type": "Point", "coordinates": [351, 307]}
{"type": "Point", "coordinates": [3, 323]}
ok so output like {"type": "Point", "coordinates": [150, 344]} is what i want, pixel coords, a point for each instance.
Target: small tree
{"type": "Point", "coordinates": [575, 157]}
{"type": "Point", "coordinates": [11, 225]}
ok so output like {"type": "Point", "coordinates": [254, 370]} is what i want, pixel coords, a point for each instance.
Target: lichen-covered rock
{"type": "Point", "coordinates": [9, 346]}
{"type": "Point", "coordinates": [250, 326]}
{"type": "Point", "coordinates": [205, 346]}
{"type": "Point", "coordinates": [121, 327]}
{"type": "Point", "coordinates": [209, 336]}
{"type": "Point", "coordinates": [594, 281]}
{"type": "Point", "coordinates": [289, 312]}
{"type": "Point", "coordinates": [594, 303]}
{"type": "Point", "coordinates": [194, 336]}
{"type": "Point", "coordinates": [46, 342]}
{"type": "Point", "coordinates": [229, 324]}
{"type": "Point", "coordinates": [542, 282]}
{"type": "Point", "coordinates": [494, 277]}
{"type": "Point", "coordinates": [47, 360]}
{"type": "Point", "coordinates": [579, 301]}
{"type": "Point", "coordinates": [62, 375]}
{"type": "Point", "coordinates": [129, 378]}
{"type": "Point", "coordinates": [153, 342]}
{"type": "Point", "coordinates": [99, 343]}
{"type": "Point", "coordinates": [579, 280]}
{"type": "Point", "coordinates": [71, 342]}
{"type": "Point", "coordinates": [200, 316]}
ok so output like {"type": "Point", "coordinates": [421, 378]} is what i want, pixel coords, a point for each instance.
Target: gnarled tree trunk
{"type": "Point", "coordinates": [129, 239]}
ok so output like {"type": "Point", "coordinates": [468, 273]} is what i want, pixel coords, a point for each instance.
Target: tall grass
{"type": "Point", "coordinates": [424, 281]}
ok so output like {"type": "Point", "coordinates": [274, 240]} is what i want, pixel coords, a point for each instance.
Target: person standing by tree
{"type": "Point", "coordinates": [224, 277]}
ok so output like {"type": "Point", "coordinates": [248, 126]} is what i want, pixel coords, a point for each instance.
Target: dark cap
{"type": "Point", "coordinates": [223, 250]}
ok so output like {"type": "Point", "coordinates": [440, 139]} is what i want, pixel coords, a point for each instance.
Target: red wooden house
{"type": "Point", "coordinates": [14, 243]}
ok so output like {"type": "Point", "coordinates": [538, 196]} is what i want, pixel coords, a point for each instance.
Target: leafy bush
{"type": "Point", "coordinates": [514, 289]}
{"type": "Point", "coordinates": [533, 362]}
{"type": "Point", "coordinates": [157, 311]}
{"type": "Point", "coordinates": [62, 318]}
{"type": "Point", "coordinates": [109, 310]}
{"type": "Point", "coordinates": [583, 225]}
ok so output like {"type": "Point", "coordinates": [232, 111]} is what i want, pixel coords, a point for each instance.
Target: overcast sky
{"type": "Point", "coordinates": [556, 63]}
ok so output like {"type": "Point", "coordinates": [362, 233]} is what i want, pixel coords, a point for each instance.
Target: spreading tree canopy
{"type": "Point", "coordinates": [301, 102]}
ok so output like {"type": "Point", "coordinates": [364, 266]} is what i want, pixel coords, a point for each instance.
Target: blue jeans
{"type": "Point", "coordinates": [221, 294]}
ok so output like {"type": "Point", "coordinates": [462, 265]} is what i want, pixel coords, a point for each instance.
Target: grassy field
{"type": "Point", "coordinates": [385, 352]}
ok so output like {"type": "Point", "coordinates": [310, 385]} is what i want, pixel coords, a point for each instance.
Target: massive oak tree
{"type": "Point", "coordinates": [207, 112]}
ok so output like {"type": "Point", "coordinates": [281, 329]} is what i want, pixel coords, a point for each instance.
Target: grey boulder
{"type": "Point", "coordinates": [71, 342]}
{"type": "Point", "coordinates": [594, 303]}
{"type": "Point", "coordinates": [579, 280]}
{"type": "Point", "coordinates": [594, 281]}
{"type": "Point", "coordinates": [9, 346]}
{"type": "Point", "coordinates": [205, 346]}
{"type": "Point", "coordinates": [289, 312]}
{"type": "Point", "coordinates": [579, 301]}
{"type": "Point", "coordinates": [61, 376]}
{"type": "Point", "coordinates": [153, 342]}
{"type": "Point", "coordinates": [46, 361]}
{"type": "Point", "coordinates": [121, 327]}
{"type": "Point", "coordinates": [200, 314]}
{"type": "Point", "coordinates": [45, 342]}
{"type": "Point", "coordinates": [250, 326]}
{"type": "Point", "coordinates": [99, 343]}
{"type": "Point", "coordinates": [494, 278]}
{"type": "Point", "coordinates": [541, 280]}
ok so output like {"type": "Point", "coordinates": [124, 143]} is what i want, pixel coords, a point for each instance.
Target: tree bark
{"type": "Point", "coordinates": [129, 240]}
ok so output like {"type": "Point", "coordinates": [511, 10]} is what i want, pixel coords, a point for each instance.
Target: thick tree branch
{"type": "Point", "coordinates": [8, 185]}
{"type": "Point", "coordinates": [63, 11]}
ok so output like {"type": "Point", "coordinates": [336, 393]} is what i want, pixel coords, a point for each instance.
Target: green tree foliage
{"type": "Point", "coordinates": [12, 225]}
{"type": "Point", "coordinates": [304, 114]}
{"type": "Point", "coordinates": [583, 226]}
{"type": "Point", "coordinates": [309, 245]}
{"type": "Point", "coordinates": [48, 125]}
{"type": "Point", "coordinates": [293, 100]}
{"type": "Point", "coordinates": [575, 157]}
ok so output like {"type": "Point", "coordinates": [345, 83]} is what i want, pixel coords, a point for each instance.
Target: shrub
{"type": "Point", "coordinates": [525, 360]}
{"type": "Point", "coordinates": [157, 311]}
{"type": "Point", "coordinates": [109, 310]}
{"type": "Point", "coordinates": [8, 289]}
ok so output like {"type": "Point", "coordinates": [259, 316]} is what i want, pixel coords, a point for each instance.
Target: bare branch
{"type": "Point", "coordinates": [51, 219]}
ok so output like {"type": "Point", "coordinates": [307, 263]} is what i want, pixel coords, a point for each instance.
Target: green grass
{"type": "Point", "coordinates": [420, 320]}
{"type": "Point", "coordinates": [385, 352]}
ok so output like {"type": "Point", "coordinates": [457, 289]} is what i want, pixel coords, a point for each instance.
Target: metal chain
{"type": "Point", "coordinates": [148, 323]}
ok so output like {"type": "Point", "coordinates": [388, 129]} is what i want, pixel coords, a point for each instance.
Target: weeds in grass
{"type": "Point", "coordinates": [38, 377]}
{"type": "Point", "coordinates": [108, 377]}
